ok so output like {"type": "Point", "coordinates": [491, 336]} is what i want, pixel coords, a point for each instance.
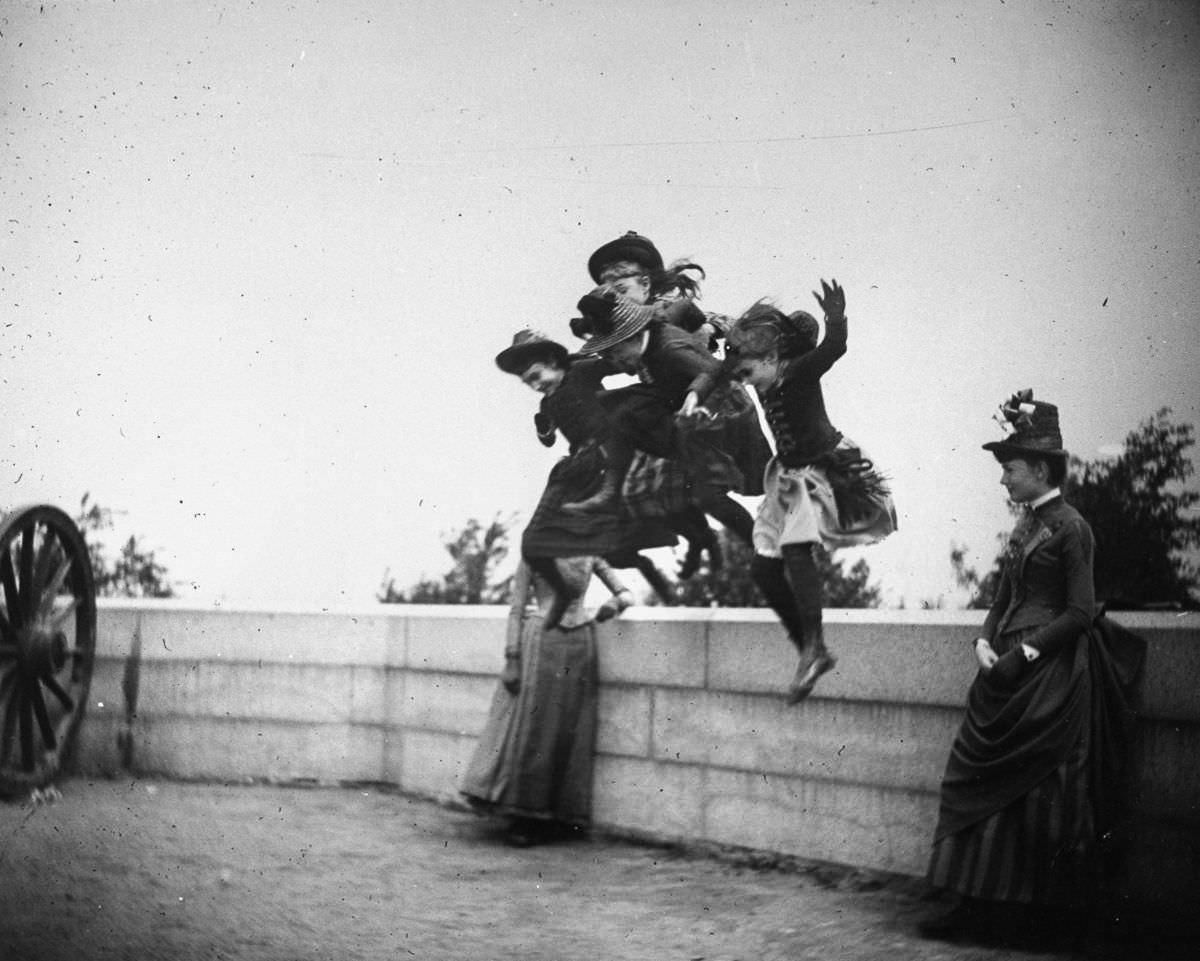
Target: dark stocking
{"type": "Point", "coordinates": [644, 566]}
{"type": "Point", "coordinates": [768, 575]}
{"type": "Point", "coordinates": [808, 592]}
{"type": "Point", "coordinates": [732, 516]}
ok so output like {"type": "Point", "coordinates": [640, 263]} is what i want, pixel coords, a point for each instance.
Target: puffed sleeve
{"type": "Point", "coordinates": [1077, 556]}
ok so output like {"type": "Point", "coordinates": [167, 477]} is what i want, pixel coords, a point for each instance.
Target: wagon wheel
{"type": "Point", "coordinates": [47, 643]}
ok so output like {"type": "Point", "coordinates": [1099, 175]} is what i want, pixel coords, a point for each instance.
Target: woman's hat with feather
{"type": "Point", "coordinates": [1031, 426]}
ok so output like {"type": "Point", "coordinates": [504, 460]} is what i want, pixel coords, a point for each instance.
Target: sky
{"type": "Point", "coordinates": [256, 259]}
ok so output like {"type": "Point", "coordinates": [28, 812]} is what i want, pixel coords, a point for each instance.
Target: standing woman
{"type": "Point", "coordinates": [533, 762]}
{"type": "Point", "coordinates": [1027, 792]}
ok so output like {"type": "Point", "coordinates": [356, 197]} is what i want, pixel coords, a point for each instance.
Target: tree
{"type": "Point", "coordinates": [476, 551]}
{"type": "Point", "coordinates": [732, 586]}
{"type": "Point", "coordinates": [135, 572]}
{"type": "Point", "coordinates": [1142, 515]}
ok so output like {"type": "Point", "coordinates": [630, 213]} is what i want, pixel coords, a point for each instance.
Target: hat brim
{"type": "Point", "coordinates": [515, 359]}
{"type": "Point", "coordinates": [622, 332]}
{"type": "Point", "coordinates": [1008, 447]}
{"type": "Point", "coordinates": [639, 250]}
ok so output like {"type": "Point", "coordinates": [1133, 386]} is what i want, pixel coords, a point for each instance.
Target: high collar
{"type": "Point", "coordinates": [1046, 498]}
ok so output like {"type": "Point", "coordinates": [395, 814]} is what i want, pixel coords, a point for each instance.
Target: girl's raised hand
{"type": "Point", "coordinates": [832, 299]}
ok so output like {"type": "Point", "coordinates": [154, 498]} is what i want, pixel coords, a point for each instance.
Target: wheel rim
{"type": "Point", "coordinates": [47, 642]}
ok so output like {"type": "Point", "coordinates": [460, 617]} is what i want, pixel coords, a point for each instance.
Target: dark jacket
{"type": "Point", "coordinates": [574, 408]}
{"type": "Point", "coordinates": [795, 406]}
{"type": "Point", "coordinates": [676, 364]}
{"type": "Point", "coordinates": [1046, 582]}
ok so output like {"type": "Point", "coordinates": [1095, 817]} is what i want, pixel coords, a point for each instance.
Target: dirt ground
{"type": "Point", "coordinates": [164, 870]}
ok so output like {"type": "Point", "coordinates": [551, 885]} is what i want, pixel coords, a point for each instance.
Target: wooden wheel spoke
{"type": "Point", "coordinates": [8, 652]}
{"type": "Point", "coordinates": [50, 592]}
{"type": "Point", "coordinates": [60, 618]}
{"type": "Point", "coordinates": [43, 556]}
{"type": "Point", "coordinates": [57, 690]}
{"type": "Point", "coordinates": [6, 631]}
{"type": "Point", "coordinates": [8, 578]}
{"type": "Point", "coordinates": [38, 700]}
{"type": "Point", "coordinates": [25, 559]}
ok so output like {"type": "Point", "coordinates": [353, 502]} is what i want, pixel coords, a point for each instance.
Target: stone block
{"type": "Point", "coordinates": [433, 763]}
{"type": "Point", "coordinates": [452, 703]}
{"type": "Point", "coordinates": [641, 650]}
{"type": "Point", "coordinates": [623, 720]}
{"type": "Point", "coordinates": [97, 751]}
{"type": "Point", "coordinates": [892, 745]}
{"type": "Point", "coordinates": [851, 824]}
{"type": "Point", "coordinates": [457, 638]}
{"type": "Point", "coordinates": [115, 629]}
{"type": "Point", "coordinates": [369, 688]}
{"type": "Point", "coordinates": [306, 693]}
{"type": "Point", "coordinates": [1168, 685]}
{"type": "Point", "coordinates": [661, 800]}
{"type": "Point", "coordinates": [878, 659]}
{"type": "Point", "coordinates": [190, 747]}
{"type": "Point", "coordinates": [266, 637]}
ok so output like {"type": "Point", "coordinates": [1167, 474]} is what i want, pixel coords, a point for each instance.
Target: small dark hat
{"type": "Point", "coordinates": [1032, 427]}
{"type": "Point", "coordinates": [611, 319]}
{"type": "Point", "coordinates": [529, 347]}
{"type": "Point", "coordinates": [633, 247]}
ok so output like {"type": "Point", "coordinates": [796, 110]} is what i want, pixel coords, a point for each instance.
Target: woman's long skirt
{"type": "Point", "coordinates": [534, 758]}
{"type": "Point", "coordinates": [1029, 787]}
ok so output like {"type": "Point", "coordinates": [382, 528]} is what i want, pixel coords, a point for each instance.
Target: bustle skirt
{"type": "Point", "coordinates": [1030, 806]}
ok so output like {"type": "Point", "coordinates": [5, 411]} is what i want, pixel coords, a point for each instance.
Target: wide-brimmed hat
{"type": "Point", "coordinates": [528, 347]}
{"type": "Point", "coordinates": [631, 246]}
{"type": "Point", "coordinates": [1032, 427]}
{"type": "Point", "coordinates": [611, 319]}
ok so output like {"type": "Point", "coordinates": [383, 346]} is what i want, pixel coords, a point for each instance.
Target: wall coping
{"type": "Point", "coordinates": [1135, 620]}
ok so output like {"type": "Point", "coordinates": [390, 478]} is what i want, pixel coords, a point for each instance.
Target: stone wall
{"type": "Point", "coordinates": [695, 741]}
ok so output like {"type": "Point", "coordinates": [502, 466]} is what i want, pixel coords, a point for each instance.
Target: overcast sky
{"type": "Point", "coordinates": [256, 260]}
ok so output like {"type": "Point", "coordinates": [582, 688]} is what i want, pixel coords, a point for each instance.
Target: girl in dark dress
{"type": "Point", "coordinates": [819, 488]}
{"type": "Point", "coordinates": [632, 267]}
{"type": "Point", "coordinates": [570, 386]}
{"type": "Point", "coordinates": [1027, 793]}
{"type": "Point", "coordinates": [663, 416]}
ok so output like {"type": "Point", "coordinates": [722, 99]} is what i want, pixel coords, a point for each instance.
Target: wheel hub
{"type": "Point", "coordinates": [43, 652]}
